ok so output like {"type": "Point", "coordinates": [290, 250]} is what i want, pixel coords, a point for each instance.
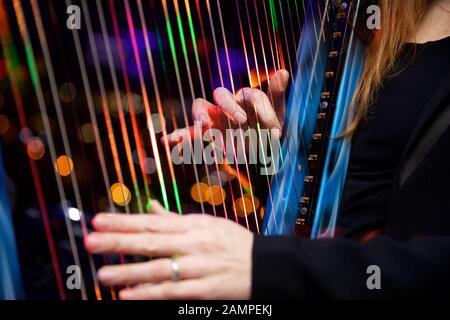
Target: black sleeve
{"type": "Point", "coordinates": [290, 267]}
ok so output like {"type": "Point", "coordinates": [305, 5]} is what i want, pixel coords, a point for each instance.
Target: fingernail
{"type": "Point", "coordinates": [100, 222]}
{"type": "Point", "coordinates": [105, 275]}
{"type": "Point", "coordinates": [92, 241]}
{"type": "Point", "coordinates": [275, 133]}
{"type": "Point", "coordinates": [126, 295]}
{"type": "Point", "coordinates": [240, 117]}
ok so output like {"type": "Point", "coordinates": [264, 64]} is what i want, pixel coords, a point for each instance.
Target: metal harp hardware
{"type": "Point", "coordinates": [318, 146]}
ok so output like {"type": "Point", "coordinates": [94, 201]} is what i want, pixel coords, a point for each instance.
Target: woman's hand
{"type": "Point", "coordinates": [213, 255]}
{"type": "Point", "coordinates": [246, 108]}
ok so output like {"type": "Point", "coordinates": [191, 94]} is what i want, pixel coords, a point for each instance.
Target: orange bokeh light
{"type": "Point", "coordinates": [64, 165]}
{"type": "Point", "coordinates": [35, 149]}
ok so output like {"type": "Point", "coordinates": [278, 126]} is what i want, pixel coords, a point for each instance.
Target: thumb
{"type": "Point", "coordinates": [278, 83]}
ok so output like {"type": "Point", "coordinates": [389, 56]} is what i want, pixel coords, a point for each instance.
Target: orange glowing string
{"type": "Point", "coordinates": [42, 106]}
{"type": "Point", "coordinates": [120, 107]}
{"type": "Point", "coordinates": [59, 115]}
{"type": "Point", "coordinates": [8, 47]}
{"type": "Point", "coordinates": [147, 108]}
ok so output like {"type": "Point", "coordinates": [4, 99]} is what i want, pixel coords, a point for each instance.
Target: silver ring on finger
{"type": "Point", "coordinates": [175, 269]}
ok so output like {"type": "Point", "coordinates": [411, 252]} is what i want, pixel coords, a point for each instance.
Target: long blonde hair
{"type": "Point", "coordinates": [399, 21]}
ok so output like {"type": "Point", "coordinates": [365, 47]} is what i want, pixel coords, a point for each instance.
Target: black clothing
{"type": "Point", "coordinates": [388, 187]}
{"type": "Point", "coordinates": [379, 143]}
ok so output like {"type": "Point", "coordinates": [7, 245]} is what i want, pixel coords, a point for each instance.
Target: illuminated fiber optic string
{"type": "Point", "coordinates": [230, 171]}
{"type": "Point", "coordinates": [209, 192]}
{"type": "Point", "coordinates": [37, 87]}
{"type": "Point", "coordinates": [93, 125]}
{"type": "Point", "coordinates": [119, 104]}
{"type": "Point", "coordinates": [279, 52]}
{"type": "Point", "coordinates": [112, 189]}
{"type": "Point", "coordinates": [156, 90]}
{"type": "Point", "coordinates": [181, 93]}
{"type": "Point", "coordinates": [259, 80]}
{"type": "Point", "coordinates": [199, 70]}
{"type": "Point", "coordinates": [60, 120]}
{"type": "Point", "coordinates": [250, 79]}
{"type": "Point", "coordinates": [233, 92]}
{"type": "Point", "coordinates": [150, 124]}
{"type": "Point", "coordinates": [204, 42]}
{"type": "Point", "coordinates": [241, 132]}
{"type": "Point", "coordinates": [312, 76]}
{"type": "Point", "coordinates": [212, 28]}
{"type": "Point", "coordinates": [11, 60]}
{"type": "Point", "coordinates": [295, 93]}
{"type": "Point", "coordinates": [212, 87]}
{"type": "Point", "coordinates": [158, 99]}
{"type": "Point", "coordinates": [131, 105]}
{"type": "Point", "coordinates": [241, 189]}
{"type": "Point", "coordinates": [91, 109]}
{"type": "Point", "coordinates": [123, 125]}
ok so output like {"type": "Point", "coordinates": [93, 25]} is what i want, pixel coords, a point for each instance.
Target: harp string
{"type": "Point", "coordinates": [106, 114]}
{"type": "Point", "coordinates": [199, 70]}
{"type": "Point", "coordinates": [147, 108]}
{"type": "Point", "coordinates": [219, 68]}
{"type": "Point", "coordinates": [275, 54]}
{"type": "Point", "coordinates": [10, 54]}
{"type": "Point", "coordinates": [93, 117]}
{"type": "Point", "coordinates": [62, 126]}
{"type": "Point", "coordinates": [183, 101]}
{"type": "Point", "coordinates": [43, 109]}
{"type": "Point", "coordinates": [119, 106]}
{"type": "Point", "coordinates": [257, 68]}
{"type": "Point", "coordinates": [157, 93]}
{"type": "Point", "coordinates": [191, 87]}
{"type": "Point", "coordinates": [234, 149]}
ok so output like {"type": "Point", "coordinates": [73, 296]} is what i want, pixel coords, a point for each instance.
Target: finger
{"type": "Point", "coordinates": [201, 111]}
{"type": "Point", "coordinates": [157, 208]}
{"type": "Point", "coordinates": [189, 289]}
{"type": "Point", "coordinates": [260, 103]}
{"type": "Point", "coordinates": [182, 135]}
{"type": "Point", "coordinates": [277, 87]}
{"type": "Point", "coordinates": [278, 83]}
{"type": "Point", "coordinates": [164, 222]}
{"type": "Point", "coordinates": [143, 244]}
{"type": "Point", "coordinates": [227, 103]}
{"type": "Point", "coordinates": [155, 271]}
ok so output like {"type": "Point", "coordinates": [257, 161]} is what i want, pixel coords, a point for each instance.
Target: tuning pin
{"type": "Point", "coordinates": [333, 54]}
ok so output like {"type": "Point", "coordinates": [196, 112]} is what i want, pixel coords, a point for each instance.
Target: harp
{"type": "Point", "coordinates": [83, 111]}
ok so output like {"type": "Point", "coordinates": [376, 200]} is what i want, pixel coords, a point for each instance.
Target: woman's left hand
{"type": "Point", "coordinates": [213, 255]}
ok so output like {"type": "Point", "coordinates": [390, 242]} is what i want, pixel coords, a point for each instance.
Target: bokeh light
{"type": "Point", "coordinates": [35, 149]}
{"type": "Point", "coordinates": [244, 205]}
{"type": "Point", "coordinates": [67, 92]}
{"type": "Point", "coordinates": [120, 194]}
{"type": "Point", "coordinates": [215, 195]}
{"type": "Point", "coordinates": [4, 124]}
{"type": "Point", "coordinates": [64, 165]}
{"type": "Point", "coordinates": [149, 166]}
{"type": "Point", "coordinates": [198, 192]}
{"type": "Point", "coordinates": [25, 134]}
{"type": "Point", "coordinates": [87, 133]}
{"type": "Point", "coordinates": [74, 214]}
{"type": "Point", "coordinates": [137, 101]}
